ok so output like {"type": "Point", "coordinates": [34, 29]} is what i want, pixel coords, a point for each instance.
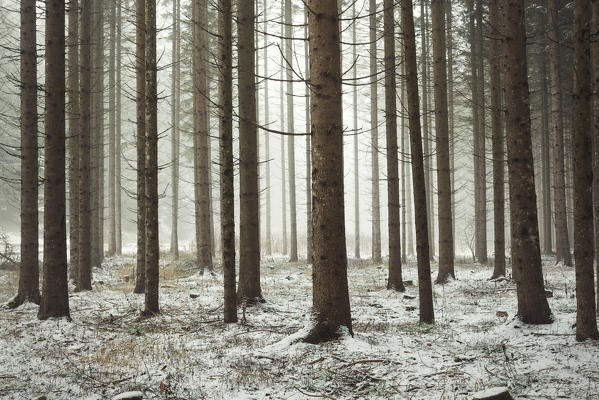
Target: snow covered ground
{"type": "Point", "coordinates": [188, 353]}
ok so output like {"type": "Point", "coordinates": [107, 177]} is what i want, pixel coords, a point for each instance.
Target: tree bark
{"type": "Point", "coordinates": [119, 120]}
{"type": "Point", "coordinates": [201, 136]}
{"type": "Point", "coordinates": [545, 157]}
{"type": "Point", "coordinates": [175, 77]}
{"type": "Point", "coordinates": [151, 305]}
{"type": "Point", "coordinates": [248, 290]}
{"type": "Point", "coordinates": [498, 141]}
{"type": "Point", "coordinates": [29, 266]}
{"type": "Point", "coordinates": [394, 280]}
{"type": "Point", "coordinates": [586, 318]}
{"type": "Point", "coordinates": [481, 238]}
{"type": "Point", "coordinates": [595, 79]}
{"type": "Point", "coordinates": [99, 133]}
{"type": "Point", "coordinates": [140, 104]}
{"type": "Point", "coordinates": [112, 132]}
{"type": "Point", "coordinates": [83, 281]}
{"type": "Point", "coordinates": [356, 147]}
{"type": "Point", "coordinates": [427, 314]}
{"type": "Point", "coordinates": [227, 194]}
{"type": "Point", "coordinates": [73, 141]}
{"type": "Point", "coordinates": [451, 112]}
{"type": "Point", "coordinates": [268, 190]}
{"type": "Point", "coordinates": [309, 244]}
{"type": "Point", "coordinates": [526, 257]}
{"type": "Point", "coordinates": [330, 290]}
{"type": "Point", "coordinates": [282, 126]}
{"type": "Point", "coordinates": [55, 296]}
{"type": "Point", "coordinates": [374, 140]}
{"type": "Point", "coordinates": [557, 134]}
{"type": "Point", "coordinates": [446, 269]}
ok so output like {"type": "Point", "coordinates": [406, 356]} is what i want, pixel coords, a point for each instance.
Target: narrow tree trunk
{"type": "Point", "coordinates": [176, 67]}
{"type": "Point", "coordinates": [268, 230]}
{"type": "Point", "coordinates": [404, 156]}
{"type": "Point", "coordinates": [309, 244]}
{"type": "Point", "coordinates": [151, 305]}
{"type": "Point", "coordinates": [282, 113]}
{"type": "Point", "coordinates": [427, 314]}
{"type": "Point", "coordinates": [374, 140]}
{"type": "Point", "coordinates": [394, 280]}
{"type": "Point", "coordinates": [498, 145]}
{"type": "Point", "coordinates": [441, 125]}
{"type": "Point", "coordinates": [330, 289]}
{"type": "Point", "coordinates": [85, 222]}
{"type": "Point", "coordinates": [227, 194]}
{"type": "Point", "coordinates": [119, 120]}
{"type": "Point", "coordinates": [557, 134]}
{"type": "Point", "coordinates": [290, 129]}
{"type": "Point", "coordinates": [55, 297]}
{"type": "Point", "coordinates": [526, 257]}
{"type": "Point", "coordinates": [451, 112]}
{"type": "Point", "coordinates": [29, 267]}
{"type": "Point", "coordinates": [356, 147]}
{"type": "Point", "coordinates": [73, 141]}
{"type": "Point", "coordinates": [201, 136]}
{"type": "Point", "coordinates": [546, 169]}
{"type": "Point", "coordinates": [586, 318]}
{"type": "Point", "coordinates": [99, 111]}
{"type": "Point", "coordinates": [248, 290]}
{"type": "Point", "coordinates": [140, 103]}
{"type": "Point", "coordinates": [481, 239]}
{"type": "Point", "coordinates": [112, 133]}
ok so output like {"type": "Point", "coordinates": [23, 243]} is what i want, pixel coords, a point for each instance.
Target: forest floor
{"type": "Point", "coordinates": [187, 352]}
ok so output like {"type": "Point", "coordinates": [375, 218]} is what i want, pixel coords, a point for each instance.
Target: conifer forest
{"type": "Point", "coordinates": [299, 199]}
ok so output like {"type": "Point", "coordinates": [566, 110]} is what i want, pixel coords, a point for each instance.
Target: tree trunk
{"type": "Point", "coordinates": [151, 305]}
{"type": "Point", "coordinates": [290, 129]}
{"type": "Point", "coordinates": [227, 194]}
{"type": "Point", "coordinates": [526, 257]}
{"type": "Point", "coordinates": [248, 290]}
{"type": "Point", "coordinates": [441, 125]}
{"type": "Point", "coordinates": [481, 239]}
{"type": "Point", "coordinates": [498, 145]}
{"type": "Point", "coordinates": [427, 314]}
{"type": "Point", "coordinates": [394, 280]}
{"type": "Point", "coordinates": [140, 103]}
{"type": "Point", "coordinates": [374, 140]}
{"type": "Point", "coordinates": [586, 318]}
{"type": "Point", "coordinates": [85, 223]}
{"type": "Point", "coordinates": [99, 149]}
{"type": "Point", "coordinates": [330, 289]}
{"type": "Point", "coordinates": [55, 296]}
{"type": "Point", "coordinates": [175, 76]}
{"type": "Point", "coordinates": [451, 112]}
{"type": "Point", "coordinates": [557, 133]}
{"type": "Point", "coordinates": [309, 244]}
{"type": "Point", "coordinates": [595, 79]}
{"type": "Point", "coordinates": [73, 140]}
{"type": "Point", "coordinates": [201, 136]}
{"type": "Point", "coordinates": [112, 133]}
{"type": "Point", "coordinates": [546, 169]}
{"type": "Point", "coordinates": [119, 120]}
{"type": "Point", "coordinates": [29, 266]}
{"type": "Point", "coordinates": [268, 230]}
{"type": "Point", "coordinates": [282, 127]}
{"type": "Point", "coordinates": [403, 153]}
{"type": "Point", "coordinates": [356, 147]}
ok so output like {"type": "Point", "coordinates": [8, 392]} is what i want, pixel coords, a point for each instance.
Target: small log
{"type": "Point", "coordinates": [496, 393]}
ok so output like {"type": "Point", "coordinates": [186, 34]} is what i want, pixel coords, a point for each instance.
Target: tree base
{"type": "Point", "coordinates": [19, 300]}
{"type": "Point", "coordinates": [397, 287]}
{"type": "Point", "coordinates": [493, 394]}
{"type": "Point", "coordinates": [323, 332]}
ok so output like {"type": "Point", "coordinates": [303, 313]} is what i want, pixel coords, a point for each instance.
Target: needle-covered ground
{"type": "Point", "coordinates": [187, 352]}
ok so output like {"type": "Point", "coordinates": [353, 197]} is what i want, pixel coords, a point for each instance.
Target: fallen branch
{"type": "Point", "coordinates": [361, 362]}
{"type": "Point", "coordinates": [323, 395]}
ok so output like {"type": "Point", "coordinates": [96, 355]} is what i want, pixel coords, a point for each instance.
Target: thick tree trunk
{"type": "Point", "coordinates": [394, 280]}
{"type": "Point", "coordinates": [29, 267]}
{"type": "Point", "coordinates": [151, 305]}
{"type": "Point", "coordinates": [545, 158]}
{"type": "Point", "coordinates": [175, 77]}
{"type": "Point", "coordinates": [227, 194]}
{"type": "Point", "coordinates": [595, 79]}
{"type": "Point", "coordinates": [441, 126]}
{"type": "Point", "coordinates": [526, 256]}
{"type": "Point", "coordinates": [112, 132]}
{"type": "Point", "coordinates": [557, 134]}
{"type": "Point", "coordinates": [73, 141]}
{"type": "Point", "coordinates": [427, 314]}
{"type": "Point", "coordinates": [140, 104]}
{"type": "Point", "coordinates": [374, 140]}
{"type": "Point", "coordinates": [290, 129]}
{"type": "Point", "coordinates": [55, 296]}
{"type": "Point", "coordinates": [586, 318]}
{"type": "Point", "coordinates": [201, 136]}
{"type": "Point", "coordinates": [330, 289]}
{"type": "Point", "coordinates": [498, 141]}
{"type": "Point", "coordinates": [248, 290]}
{"type": "Point", "coordinates": [309, 244]}
{"type": "Point", "coordinates": [85, 223]}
